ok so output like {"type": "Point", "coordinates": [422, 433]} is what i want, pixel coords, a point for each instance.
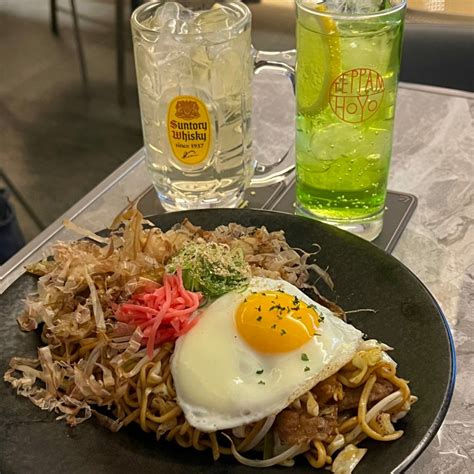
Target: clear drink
{"type": "Point", "coordinates": [194, 71]}
{"type": "Point", "coordinates": [347, 73]}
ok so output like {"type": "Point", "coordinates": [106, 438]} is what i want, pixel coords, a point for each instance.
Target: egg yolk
{"type": "Point", "coordinates": [273, 321]}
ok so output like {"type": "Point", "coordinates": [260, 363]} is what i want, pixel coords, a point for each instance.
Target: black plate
{"type": "Point", "coordinates": [407, 318]}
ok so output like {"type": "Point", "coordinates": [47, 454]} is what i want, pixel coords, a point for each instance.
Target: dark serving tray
{"type": "Point", "coordinates": [399, 208]}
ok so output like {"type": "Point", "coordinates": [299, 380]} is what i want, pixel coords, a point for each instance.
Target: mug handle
{"type": "Point", "coordinates": [284, 61]}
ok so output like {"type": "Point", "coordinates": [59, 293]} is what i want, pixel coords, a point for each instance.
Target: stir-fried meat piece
{"type": "Point", "coordinates": [328, 390]}
{"type": "Point", "coordinates": [381, 389]}
{"type": "Point", "coordinates": [294, 427]}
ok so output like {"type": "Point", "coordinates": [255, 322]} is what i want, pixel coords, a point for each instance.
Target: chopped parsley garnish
{"type": "Point", "coordinates": [304, 357]}
{"type": "Point", "coordinates": [296, 301]}
{"type": "Point", "coordinates": [261, 382]}
{"type": "Point", "coordinates": [259, 318]}
{"type": "Point", "coordinates": [259, 308]}
{"type": "Point", "coordinates": [307, 369]}
{"type": "Point", "coordinates": [273, 326]}
{"type": "Point", "coordinates": [260, 371]}
{"type": "Point", "coordinates": [282, 332]}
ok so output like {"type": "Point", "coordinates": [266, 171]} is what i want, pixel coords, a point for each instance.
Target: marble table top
{"type": "Point", "coordinates": [433, 158]}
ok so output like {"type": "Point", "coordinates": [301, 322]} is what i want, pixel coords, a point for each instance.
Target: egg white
{"type": "Point", "coordinates": [215, 370]}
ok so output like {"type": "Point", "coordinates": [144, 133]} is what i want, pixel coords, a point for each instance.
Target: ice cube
{"type": "Point", "coordinates": [144, 63]}
{"type": "Point", "coordinates": [226, 73]}
{"type": "Point", "coordinates": [355, 6]}
{"type": "Point", "coordinates": [201, 67]}
{"type": "Point", "coordinates": [175, 70]}
{"type": "Point", "coordinates": [171, 18]}
{"type": "Point", "coordinates": [217, 19]}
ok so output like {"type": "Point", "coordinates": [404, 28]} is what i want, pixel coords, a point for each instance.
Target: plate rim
{"type": "Point", "coordinates": [234, 215]}
{"type": "Point", "coordinates": [448, 393]}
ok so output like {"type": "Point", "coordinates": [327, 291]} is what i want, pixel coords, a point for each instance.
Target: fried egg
{"type": "Point", "coordinates": [253, 352]}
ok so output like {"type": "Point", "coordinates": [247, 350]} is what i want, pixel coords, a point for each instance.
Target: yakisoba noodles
{"type": "Point", "coordinates": [94, 363]}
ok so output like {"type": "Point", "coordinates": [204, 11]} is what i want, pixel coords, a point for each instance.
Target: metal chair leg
{"type": "Point", "coordinates": [54, 16]}
{"type": "Point", "coordinates": [120, 45]}
{"type": "Point", "coordinates": [134, 4]}
{"type": "Point", "coordinates": [80, 51]}
{"type": "Point", "coordinates": [19, 197]}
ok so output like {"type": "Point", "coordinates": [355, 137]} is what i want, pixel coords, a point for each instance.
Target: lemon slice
{"type": "Point", "coordinates": [319, 59]}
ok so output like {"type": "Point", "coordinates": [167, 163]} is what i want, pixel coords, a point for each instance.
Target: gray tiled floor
{"type": "Point", "coordinates": [54, 145]}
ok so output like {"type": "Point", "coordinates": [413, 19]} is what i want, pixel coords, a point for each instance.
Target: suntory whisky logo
{"type": "Point", "coordinates": [356, 95]}
{"type": "Point", "coordinates": [189, 130]}
{"type": "Point", "coordinates": [187, 109]}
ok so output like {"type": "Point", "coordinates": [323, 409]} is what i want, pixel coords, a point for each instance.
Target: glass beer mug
{"type": "Point", "coordinates": [194, 73]}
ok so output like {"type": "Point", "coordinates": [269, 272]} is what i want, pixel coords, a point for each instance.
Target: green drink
{"type": "Point", "coordinates": [346, 86]}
